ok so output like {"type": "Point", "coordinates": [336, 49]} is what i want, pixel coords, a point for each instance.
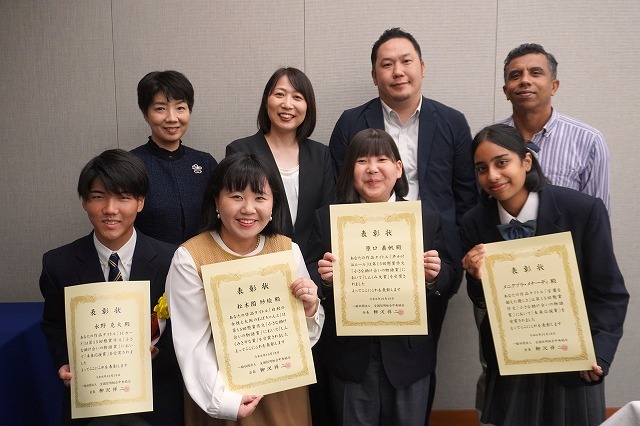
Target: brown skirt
{"type": "Point", "coordinates": [290, 407]}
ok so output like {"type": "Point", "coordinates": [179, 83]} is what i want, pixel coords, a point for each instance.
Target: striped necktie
{"type": "Point", "coordinates": [114, 271]}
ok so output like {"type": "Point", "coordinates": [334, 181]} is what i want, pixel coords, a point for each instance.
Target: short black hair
{"type": "Point", "coordinates": [173, 84]}
{"type": "Point", "coordinates": [119, 171]}
{"type": "Point", "coordinates": [511, 139]}
{"type": "Point", "coordinates": [394, 32]}
{"type": "Point", "coordinates": [526, 49]}
{"type": "Point", "coordinates": [235, 173]}
{"type": "Point", "coordinates": [367, 143]}
{"type": "Point", "coordinates": [300, 83]}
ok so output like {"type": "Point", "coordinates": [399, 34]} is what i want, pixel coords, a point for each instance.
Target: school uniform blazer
{"type": "Point", "coordinates": [405, 358]}
{"type": "Point", "coordinates": [606, 298]}
{"type": "Point", "coordinates": [446, 174]}
{"type": "Point", "coordinates": [78, 263]}
{"type": "Point", "coordinates": [316, 178]}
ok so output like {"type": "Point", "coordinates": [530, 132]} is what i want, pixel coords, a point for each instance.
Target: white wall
{"type": "Point", "coordinates": [70, 68]}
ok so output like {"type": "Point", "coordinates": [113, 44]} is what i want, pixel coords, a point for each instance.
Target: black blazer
{"type": "Point", "coordinates": [446, 174]}
{"type": "Point", "coordinates": [317, 184]}
{"type": "Point", "coordinates": [78, 263]}
{"type": "Point", "coordinates": [606, 298]}
{"type": "Point", "coordinates": [405, 358]}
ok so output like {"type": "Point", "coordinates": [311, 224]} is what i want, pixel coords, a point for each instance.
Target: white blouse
{"type": "Point", "coordinates": [291, 182]}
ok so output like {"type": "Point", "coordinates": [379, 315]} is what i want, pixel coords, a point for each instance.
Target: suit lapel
{"type": "Point", "coordinates": [548, 213]}
{"type": "Point", "coordinates": [308, 172]}
{"type": "Point", "coordinates": [492, 219]}
{"type": "Point", "coordinates": [373, 115]}
{"type": "Point", "coordinates": [142, 268]}
{"type": "Point", "coordinates": [426, 133]}
{"type": "Point", "coordinates": [88, 267]}
{"type": "Point", "coordinates": [262, 148]}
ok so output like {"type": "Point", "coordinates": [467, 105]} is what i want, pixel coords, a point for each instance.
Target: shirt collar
{"type": "Point", "coordinates": [529, 210]}
{"type": "Point", "coordinates": [125, 253]}
{"type": "Point", "coordinates": [389, 113]}
{"type": "Point", "coordinates": [164, 154]}
{"type": "Point", "coordinates": [547, 129]}
{"type": "Point", "coordinates": [218, 239]}
{"type": "Point", "coordinates": [391, 199]}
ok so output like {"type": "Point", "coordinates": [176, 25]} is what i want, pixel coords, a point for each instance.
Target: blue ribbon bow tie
{"type": "Point", "coordinates": [516, 229]}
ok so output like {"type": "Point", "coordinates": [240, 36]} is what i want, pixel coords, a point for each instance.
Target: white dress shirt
{"type": "Point", "coordinates": [125, 253]}
{"type": "Point", "coordinates": [406, 138]}
{"type": "Point", "coordinates": [528, 212]}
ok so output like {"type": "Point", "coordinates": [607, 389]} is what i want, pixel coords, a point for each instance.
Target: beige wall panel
{"type": "Point", "coordinates": [228, 50]}
{"type": "Point", "coordinates": [57, 79]}
{"type": "Point", "coordinates": [596, 45]}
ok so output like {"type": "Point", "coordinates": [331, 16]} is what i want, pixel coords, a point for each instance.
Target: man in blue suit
{"type": "Point", "coordinates": [434, 142]}
{"type": "Point", "coordinates": [112, 187]}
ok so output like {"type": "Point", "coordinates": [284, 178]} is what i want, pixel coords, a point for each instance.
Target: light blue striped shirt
{"type": "Point", "coordinates": [574, 155]}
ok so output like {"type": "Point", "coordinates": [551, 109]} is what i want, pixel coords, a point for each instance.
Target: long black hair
{"type": "Point", "coordinates": [510, 138]}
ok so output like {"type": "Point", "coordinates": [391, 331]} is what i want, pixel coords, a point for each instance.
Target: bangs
{"type": "Point", "coordinates": [376, 145]}
{"type": "Point", "coordinates": [243, 174]}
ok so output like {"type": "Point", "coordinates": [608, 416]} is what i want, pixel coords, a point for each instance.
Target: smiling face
{"type": "Point", "coordinates": [243, 215]}
{"type": "Point", "coordinates": [112, 215]}
{"type": "Point", "coordinates": [168, 120]}
{"type": "Point", "coordinates": [530, 85]}
{"type": "Point", "coordinates": [502, 174]}
{"type": "Point", "coordinates": [398, 72]}
{"type": "Point", "coordinates": [286, 107]}
{"type": "Point", "coordinates": [375, 176]}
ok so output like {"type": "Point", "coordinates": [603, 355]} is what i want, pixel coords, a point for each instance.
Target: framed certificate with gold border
{"type": "Point", "coordinates": [378, 278]}
{"type": "Point", "coordinates": [259, 327]}
{"type": "Point", "coordinates": [536, 306]}
{"type": "Point", "coordinates": [108, 338]}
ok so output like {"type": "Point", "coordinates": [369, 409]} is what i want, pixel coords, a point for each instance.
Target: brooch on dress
{"type": "Point", "coordinates": [196, 169]}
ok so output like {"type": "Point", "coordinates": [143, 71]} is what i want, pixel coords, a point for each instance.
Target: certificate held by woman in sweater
{"type": "Point", "coordinates": [259, 327]}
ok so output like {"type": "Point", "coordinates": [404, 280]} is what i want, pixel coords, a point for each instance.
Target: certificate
{"type": "Point", "coordinates": [259, 327]}
{"type": "Point", "coordinates": [108, 336]}
{"type": "Point", "coordinates": [378, 278]}
{"type": "Point", "coordinates": [536, 306]}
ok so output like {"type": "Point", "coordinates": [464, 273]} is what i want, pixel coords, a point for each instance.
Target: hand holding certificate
{"type": "Point", "coordinates": [108, 335]}
{"type": "Point", "coordinates": [378, 279]}
{"type": "Point", "coordinates": [536, 307]}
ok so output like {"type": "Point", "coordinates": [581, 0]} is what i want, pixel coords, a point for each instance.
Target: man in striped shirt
{"type": "Point", "coordinates": [572, 153]}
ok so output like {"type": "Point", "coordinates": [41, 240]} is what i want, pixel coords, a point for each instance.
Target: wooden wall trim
{"type": "Point", "coordinates": [469, 417]}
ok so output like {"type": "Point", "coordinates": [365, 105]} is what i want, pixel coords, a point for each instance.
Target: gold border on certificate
{"type": "Point", "coordinates": [536, 306]}
{"type": "Point", "coordinates": [108, 336]}
{"type": "Point", "coordinates": [378, 280]}
{"type": "Point", "coordinates": [259, 327]}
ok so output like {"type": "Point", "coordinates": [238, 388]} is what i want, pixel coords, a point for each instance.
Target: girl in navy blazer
{"type": "Point", "coordinates": [514, 187]}
{"type": "Point", "coordinates": [378, 380]}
